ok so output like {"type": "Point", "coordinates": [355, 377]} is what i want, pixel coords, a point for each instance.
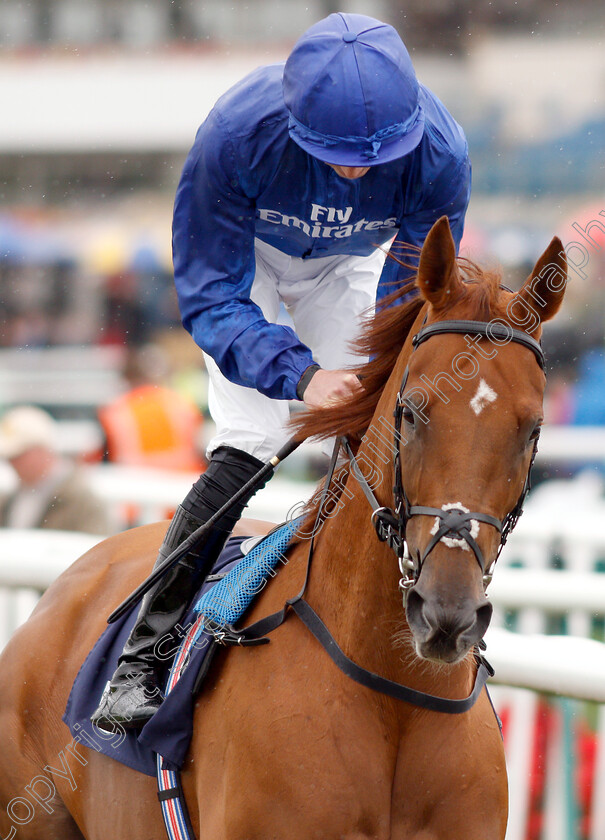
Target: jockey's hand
{"type": "Point", "coordinates": [329, 387]}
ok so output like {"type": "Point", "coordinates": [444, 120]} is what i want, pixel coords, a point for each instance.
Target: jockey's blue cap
{"type": "Point", "coordinates": [352, 92]}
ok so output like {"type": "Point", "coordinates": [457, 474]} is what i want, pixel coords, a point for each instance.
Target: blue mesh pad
{"type": "Point", "coordinates": [226, 602]}
{"type": "Point", "coordinates": [169, 732]}
{"type": "Point", "coordinates": [176, 712]}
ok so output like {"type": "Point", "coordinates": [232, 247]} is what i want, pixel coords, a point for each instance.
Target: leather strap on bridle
{"type": "Point", "coordinates": [457, 524]}
{"type": "Point", "coordinates": [490, 329]}
{"type": "Point", "coordinates": [454, 523]}
{"type": "Point", "coordinates": [390, 527]}
{"type": "Point", "coordinates": [257, 632]}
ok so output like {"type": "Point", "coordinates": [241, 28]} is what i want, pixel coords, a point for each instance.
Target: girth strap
{"type": "Point", "coordinates": [169, 793]}
{"type": "Point", "coordinates": [171, 796]}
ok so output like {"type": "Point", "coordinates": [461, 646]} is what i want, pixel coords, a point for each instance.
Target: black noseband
{"type": "Point", "coordinates": [455, 523]}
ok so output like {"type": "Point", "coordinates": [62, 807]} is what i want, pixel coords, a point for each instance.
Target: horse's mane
{"type": "Point", "coordinates": [382, 339]}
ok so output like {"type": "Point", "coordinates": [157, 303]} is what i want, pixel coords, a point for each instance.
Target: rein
{"type": "Point", "coordinates": [390, 527]}
{"type": "Point", "coordinates": [257, 634]}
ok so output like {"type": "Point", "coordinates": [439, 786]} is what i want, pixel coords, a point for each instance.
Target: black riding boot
{"type": "Point", "coordinates": [133, 694]}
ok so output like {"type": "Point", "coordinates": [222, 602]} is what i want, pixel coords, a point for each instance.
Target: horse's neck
{"type": "Point", "coordinates": [355, 576]}
{"type": "Point", "coordinates": [354, 587]}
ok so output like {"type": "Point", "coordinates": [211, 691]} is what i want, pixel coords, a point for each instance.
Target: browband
{"type": "Point", "coordinates": [494, 330]}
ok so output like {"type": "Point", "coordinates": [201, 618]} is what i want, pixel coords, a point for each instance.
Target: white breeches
{"type": "Point", "coordinates": [327, 300]}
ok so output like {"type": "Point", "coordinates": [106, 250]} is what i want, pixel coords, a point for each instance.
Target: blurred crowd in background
{"type": "Point", "coordinates": [106, 99]}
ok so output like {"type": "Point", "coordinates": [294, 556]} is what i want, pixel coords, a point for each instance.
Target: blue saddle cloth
{"type": "Point", "coordinates": [169, 732]}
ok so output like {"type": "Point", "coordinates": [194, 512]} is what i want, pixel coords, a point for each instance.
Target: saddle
{"type": "Point", "coordinates": [236, 578]}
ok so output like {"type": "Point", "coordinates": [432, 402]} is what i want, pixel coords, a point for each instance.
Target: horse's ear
{"type": "Point", "coordinates": [542, 293]}
{"type": "Point", "coordinates": [437, 269]}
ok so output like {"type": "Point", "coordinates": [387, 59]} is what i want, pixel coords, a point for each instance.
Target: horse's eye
{"type": "Point", "coordinates": [536, 431]}
{"type": "Point", "coordinates": [408, 415]}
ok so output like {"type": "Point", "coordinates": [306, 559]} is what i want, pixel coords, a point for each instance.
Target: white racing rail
{"type": "Point", "coordinates": [526, 661]}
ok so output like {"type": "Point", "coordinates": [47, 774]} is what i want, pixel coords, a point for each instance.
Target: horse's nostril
{"type": "Point", "coordinates": [484, 616]}
{"type": "Point", "coordinates": [414, 609]}
{"type": "Point", "coordinates": [435, 624]}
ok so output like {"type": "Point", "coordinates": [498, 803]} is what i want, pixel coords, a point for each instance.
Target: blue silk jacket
{"type": "Point", "coordinates": [246, 178]}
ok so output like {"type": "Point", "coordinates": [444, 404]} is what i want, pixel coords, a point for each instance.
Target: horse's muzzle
{"type": "Point", "coordinates": [446, 632]}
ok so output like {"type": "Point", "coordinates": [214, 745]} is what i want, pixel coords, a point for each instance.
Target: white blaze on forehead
{"type": "Point", "coordinates": [456, 542]}
{"type": "Point", "coordinates": [483, 397]}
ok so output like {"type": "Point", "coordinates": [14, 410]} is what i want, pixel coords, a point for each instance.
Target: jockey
{"type": "Point", "coordinates": [296, 179]}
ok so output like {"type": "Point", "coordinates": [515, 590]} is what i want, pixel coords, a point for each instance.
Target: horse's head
{"type": "Point", "coordinates": [470, 411]}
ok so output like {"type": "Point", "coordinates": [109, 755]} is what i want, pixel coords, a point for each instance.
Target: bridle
{"type": "Point", "coordinates": [390, 525]}
{"type": "Point", "coordinates": [455, 522]}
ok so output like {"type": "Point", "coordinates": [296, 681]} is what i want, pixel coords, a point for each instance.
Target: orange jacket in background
{"type": "Point", "coordinates": [152, 426]}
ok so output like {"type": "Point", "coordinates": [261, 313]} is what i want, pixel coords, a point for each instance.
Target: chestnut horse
{"type": "Point", "coordinates": [286, 746]}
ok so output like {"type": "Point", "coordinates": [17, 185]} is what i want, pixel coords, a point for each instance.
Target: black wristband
{"type": "Point", "coordinates": [305, 379]}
